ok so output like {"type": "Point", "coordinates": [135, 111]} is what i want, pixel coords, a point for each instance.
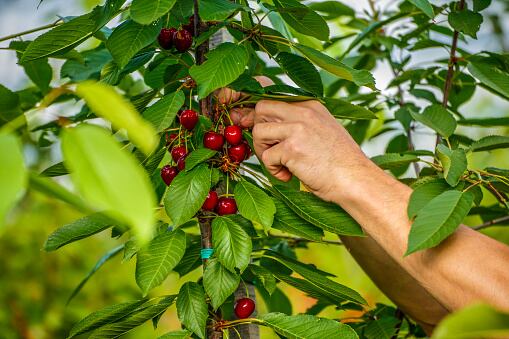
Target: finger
{"type": "Point", "coordinates": [271, 133]}
{"type": "Point", "coordinates": [227, 95]}
{"type": "Point", "coordinates": [264, 81]}
{"type": "Point", "coordinates": [270, 110]}
{"type": "Point", "coordinates": [242, 116]}
{"type": "Point", "coordinates": [272, 159]}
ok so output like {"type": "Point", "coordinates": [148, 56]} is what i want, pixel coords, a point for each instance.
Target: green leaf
{"type": "Point", "coordinates": [491, 76]}
{"type": "Point", "coordinates": [55, 170]}
{"type": "Point", "coordinates": [305, 326]}
{"type": "Point", "coordinates": [425, 7]}
{"type": "Point", "coordinates": [198, 156]}
{"type": "Point", "coordinates": [109, 255]}
{"type": "Point", "coordinates": [192, 309]}
{"type": "Point", "coordinates": [341, 109]}
{"type": "Point", "coordinates": [301, 71]}
{"type": "Point", "coordinates": [325, 215]}
{"type": "Point", "coordinates": [9, 105]}
{"type": "Point", "coordinates": [288, 221]}
{"type": "Point", "coordinates": [232, 245]}
{"type": "Point", "coordinates": [107, 315]}
{"type": "Point", "coordinates": [394, 160]}
{"type": "Point", "coordinates": [472, 322]}
{"type": "Point", "coordinates": [147, 11]}
{"type": "Point", "coordinates": [454, 163]}
{"type": "Point", "coordinates": [182, 334]}
{"type": "Point", "coordinates": [424, 194]}
{"type": "Point", "coordinates": [13, 174]}
{"type": "Point", "coordinates": [302, 19]}
{"type": "Point", "coordinates": [254, 204]}
{"type": "Point", "coordinates": [333, 9]}
{"type": "Point", "coordinates": [224, 65]}
{"type": "Point", "coordinates": [335, 67]}
{"type": "Point", "coordinates": [40, 72]}
{"type": "Point", "coordinates": [186, 194]}
{"type": "Point", "coordinates": [129, 38]}
{"type": "Point", "coordinates": [217, 10]}
{"type": "Point", "coordinates": [490, 143]}
{"type": "Point", "coordinates": [78, 229]}
{"type": "Point", "coordinates": [134, 319]}
{"type": "Point", "coordinates": [111, 180]}
{"type": "Point", "coordinates": [480, 5]}
{"type": "Point", "coordinates": [264, 277]}
{"type": "Point", "coordinates": [159, 258]}
{"type": "Point", "coordinates": [162, 114]}
{"type": "Point", "coordinates": [437, 118]}
{"type": "Point", "coordinates": [94, 62]}
{"type": "Point", "coordinates": [107, 103]}
{"type": "Point", "coordinates": [381, 328]}
{"type": "Point", "coordinates": [219, 282]}
{"type": "Point", "coordinates": [438, 219]}
{"type": "Point", "coordinates": [466, 21]}
{"type": "Point", "coordinates": [311, 290]}
{"type": "Point", "coordinates": [485, 122]}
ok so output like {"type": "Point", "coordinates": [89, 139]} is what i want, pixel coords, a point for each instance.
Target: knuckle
{"type": "Point", "coordinates": [265, 157]}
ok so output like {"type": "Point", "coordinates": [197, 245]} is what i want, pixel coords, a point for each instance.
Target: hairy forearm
{"type": "Point", "coordinates": [466, 268]}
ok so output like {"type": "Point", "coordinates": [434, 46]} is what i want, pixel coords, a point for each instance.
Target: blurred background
{"type": "Point", "coordinates": [35, 285]}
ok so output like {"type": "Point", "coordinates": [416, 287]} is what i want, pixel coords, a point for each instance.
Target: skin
{"type": "Point", "coordinates": [304, 139]}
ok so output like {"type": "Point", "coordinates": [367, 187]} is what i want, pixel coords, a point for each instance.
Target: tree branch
{"type": "Point", "coordinates": [33, 30]}
{"type": "Point", "coordinates": [491, 223]}
{"type": "Point", "coordinates": [298, 239]}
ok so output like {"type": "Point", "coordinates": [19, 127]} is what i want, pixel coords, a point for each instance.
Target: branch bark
{"type": "Point", "coordinates": [491, 223]}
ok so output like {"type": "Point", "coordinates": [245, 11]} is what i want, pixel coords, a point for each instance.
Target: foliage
{"type": "Point", "coordinates": [115, 168]}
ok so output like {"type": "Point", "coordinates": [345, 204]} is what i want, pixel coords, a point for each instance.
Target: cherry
{"type": "Point", "coordinates": [189, 119]}
{"type": "Point", "coordinates": [248, 148]}
{"type": "Point", "coordinates": [190, 26]}
{"type": "Point", "coordinates": [226, 206]}
{"type": "Point", "coordinates": [244, 308]}
{"type": "Point", "coordinates": [178, 152]}
{"type": "Point", "coordinates": [238, 153]}
{"type": "Point", "coordinates": [233, 134]}
{"type": "Point", "coordinates": [170, 138]}
{"type": "Point", "coordinates": [213, 140]}
{"type": "Point", "coordinates": [168, 173]}
{"type": "Point", "coordinates": [166, 37]}
{"type": "Point", "coordinates": [211, 201]}
{"type": "Point", "coordinates": [181, 163]}
{"type": "Point", "coordinates": [183, 40]}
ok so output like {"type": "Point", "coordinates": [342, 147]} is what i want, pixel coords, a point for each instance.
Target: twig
{"type": "Point", "coordinates": [33, 30]}
{"type": "Point", "coordinates": [298, 239]}
{"type": "Point", "coordinates": [491, 223]}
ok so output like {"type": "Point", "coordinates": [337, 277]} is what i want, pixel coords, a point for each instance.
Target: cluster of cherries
{"type": "Point", "coordinates": [181, 39]}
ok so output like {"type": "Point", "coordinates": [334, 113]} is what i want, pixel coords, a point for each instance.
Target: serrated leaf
{"type": "Point", "coordinates": [107, 315]}
{"type": "Point", "coordinates": [219, 282]}
{"type": "Point", "coordinates": [264, 276]}
{"type": "Point", "coordinates": [425, 7]}
{"type": "Point", "coordinates": [232, 245]}
{"type": "Point", "coordinates": [302, 19]}
{"type": "Point", "coordinates": [472, 322]}
{"type": "Point", "coordinates": [162, 114]}
{"type": "Point", "coordinates": [111, 180]}
{"type": "Point", "coordinates": [424, 194]}
{"type": "Point", "coordinates": [40, 72]}
{"type": "Point", "coordinates": [288, 221]}
{"type": "Point", "coordinates": [438, 119]}
{"type": "Point", "coordinates": [335, 67]}
{"type": "Point", "coordinates": [381, 328]}
{"type": "Point", "coordinates": [466, 21]}
{"type": "Point", "coordinates": [147, 11]}
{"type": "Point", "coordinates": [91, 66]}
{"type": "Point", "coordinates": [129, 38]}
{"type": "Point", "coordinates": [311, 290]}
{"type": "Point", "coordinates": [192, 309]}
{"type": "Point", "coordinates": [187, 193]}
{"type": "Point", "coordinates": [224, 65]}
{"type": "Point", "coordinates": [159, 258]}
{"type": "Point", "coordinates": [305, 326]}
{"type": "Point", "coordinates": [198, 156]}
{"type": "Point", "coordinates": [325, 215]}
{"type": "Point", "coordinates": [394, 160]}
{"type": "Point", "coordinates": [454, 163]}
{"type": "Point", "coordinates": [190, 261]}
{"type": "Point", "coordinates": [490, 143]}
{"type": "Point", "coordinates": [438, 219]}
{"type": "Point", "coordinates": [301, 71]}
{"type": "Point", "coordinates": [13, 174]}
{"type": "Point", "coordinates": [342, 109]}
{"type": "Point", "coordinates": [254, 204]}
{"type": "Point", "coordinates": [107, 103]}
{"type": "Point", "coordinates": [491, 76]}
{"type": "Point", "coordinates": [79, 229]}
{"type": "Point", "coordinates": [217, 10]}
{"type": "Point", "coordinates": [133, 320]}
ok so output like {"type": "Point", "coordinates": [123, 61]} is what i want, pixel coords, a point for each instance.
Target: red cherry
{"type": "Point", "coordinates": [166, 37]}
{"type": "Point", "coordinates": [233, 134]}
{"type": "Point", "coordinates": [211, 201]}
{"type": "Point", "coordinates": [248, 148]}
{"type": "Point", "coordinates": [226, 206]}
{"type": "Point", "coordinates": [213, 140]}
{"type": "Point", "coordinates": [183, 40]}
{"type": "Point", "coordinates": [168, 173]}
{"type": "Point", "coordinates": [189, 119]}
{"type": "Point", "coordinates": [190, 26]}
{"type": "Point", "coordinates": [181, 163]}
{"type": "Point", "coordinates": [237, 153]}
{"type": "Point", "coordinates": [170, 138]}
{"type": "Point", "coordinates": [244, 308]}
{"type": "Point", "coordinates": [178, 152]}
